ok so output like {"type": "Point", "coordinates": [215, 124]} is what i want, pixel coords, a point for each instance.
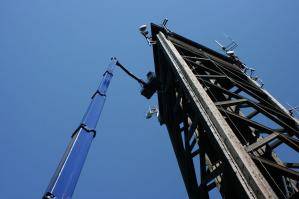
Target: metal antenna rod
{"type": "Point", "coordinates": [65, 178]}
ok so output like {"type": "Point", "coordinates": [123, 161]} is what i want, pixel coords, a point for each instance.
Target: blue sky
{"type": "Point", "coordinates": [52, 56]}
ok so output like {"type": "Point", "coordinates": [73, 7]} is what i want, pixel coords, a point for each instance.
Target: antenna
{"type": "Point", "coordinates": [232, 45]}
{"type": "Point", "coordinates": [229, 51]}
{"type": "Point", "coordinates": [164, 22]}
{"type": "Point", "coordinates": [229, 47]}
{"type": "Point", "coordinates": [221, 46]}
{"type": "Point", "coordinates": [164, 25]}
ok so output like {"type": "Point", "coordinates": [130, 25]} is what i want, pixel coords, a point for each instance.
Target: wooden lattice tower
{"type": "Point", "coordinates": [224, 127]}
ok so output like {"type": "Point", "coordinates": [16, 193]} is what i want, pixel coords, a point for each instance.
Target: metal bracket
{"type": "Point", "coordinates": [108, 72]}
{"type": "Point", "coordinates": [97, 93]}
{"type": "Point", "coordinates": [88, 130]}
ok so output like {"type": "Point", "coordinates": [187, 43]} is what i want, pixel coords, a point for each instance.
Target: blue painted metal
{"type": "Point", "coordinates": [64, 180]}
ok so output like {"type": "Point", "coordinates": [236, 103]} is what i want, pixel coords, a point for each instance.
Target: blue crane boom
{"type": "Point", "coordinates": [64, 180]}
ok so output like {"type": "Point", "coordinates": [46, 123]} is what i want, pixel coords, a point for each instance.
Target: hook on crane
{"type": "Point", "coordinates": [149, 87]}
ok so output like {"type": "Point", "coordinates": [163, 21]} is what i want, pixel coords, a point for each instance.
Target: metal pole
{"type": "Point", "coordinates": [65, 178]}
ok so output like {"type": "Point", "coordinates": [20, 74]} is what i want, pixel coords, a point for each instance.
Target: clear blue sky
{"type": "Point", "coordinates": [52, 56]}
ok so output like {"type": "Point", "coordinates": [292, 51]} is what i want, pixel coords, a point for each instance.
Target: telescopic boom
{"type": "Point", "coordinates": [65, 178]}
